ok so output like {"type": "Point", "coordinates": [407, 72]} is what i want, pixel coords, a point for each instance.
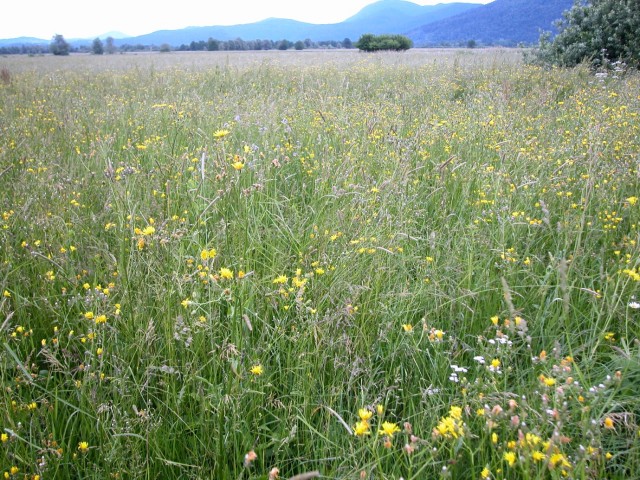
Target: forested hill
{"type": "Point", "coordinates": [501, 22]}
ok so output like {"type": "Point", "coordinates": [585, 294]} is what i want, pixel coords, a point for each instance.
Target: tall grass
{"type": "Point", "coordinates": [360, 266]}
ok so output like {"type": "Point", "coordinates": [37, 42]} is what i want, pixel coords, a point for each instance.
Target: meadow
{"type": "Point", "coordinates": [318, 264]}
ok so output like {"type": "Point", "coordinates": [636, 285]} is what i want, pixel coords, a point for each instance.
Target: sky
{"type": "Point", "coordinates": [87, 19]}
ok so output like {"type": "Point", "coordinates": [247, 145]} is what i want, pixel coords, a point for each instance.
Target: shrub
{"type": "Point", "coordinates": [372, 43]}
{"type": "Point", "coordinates": [597, 31]}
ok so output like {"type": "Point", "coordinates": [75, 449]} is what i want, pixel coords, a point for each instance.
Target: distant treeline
{"type": "Point", "coordinates": [213, 45]}
{"type": "Point", "coordinates": [202, 45]}
{"type": "Point", "coordinates": [25, 49]}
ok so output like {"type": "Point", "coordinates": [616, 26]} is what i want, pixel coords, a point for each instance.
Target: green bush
{"type": "Point", "coordinates": [372, 43]}
{"type": "Point", "coordinates": [597, 31]}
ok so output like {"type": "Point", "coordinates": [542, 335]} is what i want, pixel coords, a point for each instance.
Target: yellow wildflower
{"type": "Point", "coordinates": [257, 369]}
{"type": "Point", "coordinates": [226, 273]}
{"type": "Point", "coordinates": [558, 459]}
{"type": "Point", "coordinates": [537, 456]}
{"type": "Point", "coordinates": [608, 423]}
{"type": "Point", "coordinates": [365, 414]}
{"type": "Point", "coordinates": [83, 447]}
{"type": "Point", "coordinates": [361, 428]}
{"type": "Point", "coordinates": [220, 133]}
{"type": "Point", "coordinates": [455, 412]}
{"type": "Point", "coordinates": [389, 429]}
{"type": "Point", "coordinates": [510, 458]}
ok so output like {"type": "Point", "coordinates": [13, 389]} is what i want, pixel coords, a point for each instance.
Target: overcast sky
{"type": "Point", "coordinates": [88, 19]}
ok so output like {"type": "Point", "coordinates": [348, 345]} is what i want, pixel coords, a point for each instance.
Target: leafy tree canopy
{"type": "Point", "coordinates": [97, 47]}
{"type": "Point", "coordinates": [597, 31]}
{"type": "Point", "coordinates": [372, 43]}
{"type": "Point", "coordinates": [59, 46]}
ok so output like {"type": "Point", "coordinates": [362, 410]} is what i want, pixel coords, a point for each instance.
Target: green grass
{"type": "Point", "coordinates": [401, 233]}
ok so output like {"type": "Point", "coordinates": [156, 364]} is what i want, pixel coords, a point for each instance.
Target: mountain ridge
{"type": "Point", "coordinates": [500, 22]}
{"type": "Point", "coordinates": [383, 16]}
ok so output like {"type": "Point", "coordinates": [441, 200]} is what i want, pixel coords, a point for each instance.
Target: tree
{"type": "Point", "coordinates": [165, 48]}
{"type": "Point", "coordinates": [299, 45]}
{"type": "Point", "coordinates": [597, 31]}
{"type": "Point", "coordinates": [59, 45]}
{"type": "Point", "coordinates": [372, 43]}
{"type": "Point", "coordinates": [213, 45]}
{"type": "Point", "coordinates": [347, 43]}
{"type": "Point", "coordinates": [110, 47]}
{"type": "Point", "coordinates": [96, 47]}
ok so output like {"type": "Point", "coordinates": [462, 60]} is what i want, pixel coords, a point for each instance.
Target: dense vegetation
{"type": "Point", "coordinates": [375, 43]}
{"type": "Point", "coordinates": [252, 266]}
{"type": "Point", "coordinates": [601, 32]}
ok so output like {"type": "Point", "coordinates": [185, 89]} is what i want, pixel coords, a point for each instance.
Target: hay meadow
{"type": "Point", "coordinates": [318, 265]}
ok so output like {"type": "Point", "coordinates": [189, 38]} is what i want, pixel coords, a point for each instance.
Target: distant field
{"type": "Point", "coordinates": [255, 265]}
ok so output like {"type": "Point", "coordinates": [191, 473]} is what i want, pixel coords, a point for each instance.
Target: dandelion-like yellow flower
{"type": "Point", "coordinates": [361, 428]}
{"type": "Point", "coordinates": [558, 459]}
{"type": "Point", "coordinates": [83, 447]}
{"type": "Point", "coordinates": [4, 437]}
{"type": "Point", "coordinates": [88, 315]}
{"type": "Point", "coordinates": [6, 294]}
{"type": "Point", "coordinates": [388, 429]}
{"type": "Point", "coordinates": [608, 423]}
{"type": "Point", "coordinates": [148, 230]}
{"type": "Point", "coordinates": [510, 458]}
{"type": "Point", "coordinates": [455, 412]}
{"type": "Point", "coordinates": [257, 369]}
{"type": "Point", "coordinates": [365, 414]}
{"type": "Point", "coordinates": [632, 200]}
{"type": "Point", "coordinates": [226, 273]}
{"type": "Point", "coordinates": [281, 280]}
{"type": "Point", "coordinates": [237, 165]}
{"type": "Point", "coordinates": [221, 133]}
{"type": "Point", "coordinates": [537, 456]}
{"type": "Point", "coordinates": [407, 327]}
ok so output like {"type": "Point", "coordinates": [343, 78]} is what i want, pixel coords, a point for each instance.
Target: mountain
{"type": "Point", "coordinates": [113, 35]}
{"type": "Point", "coordinates": [398, 16]}
{"type": "Point", "coordinates": [23, 41]}
{"type": "Point", "coordinates": [501, 22]}
{"type": "Point", "coordinates": [384, 16]}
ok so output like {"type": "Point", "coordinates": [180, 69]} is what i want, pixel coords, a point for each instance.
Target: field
{"type": "Point", "coordinates": [318, 264]}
